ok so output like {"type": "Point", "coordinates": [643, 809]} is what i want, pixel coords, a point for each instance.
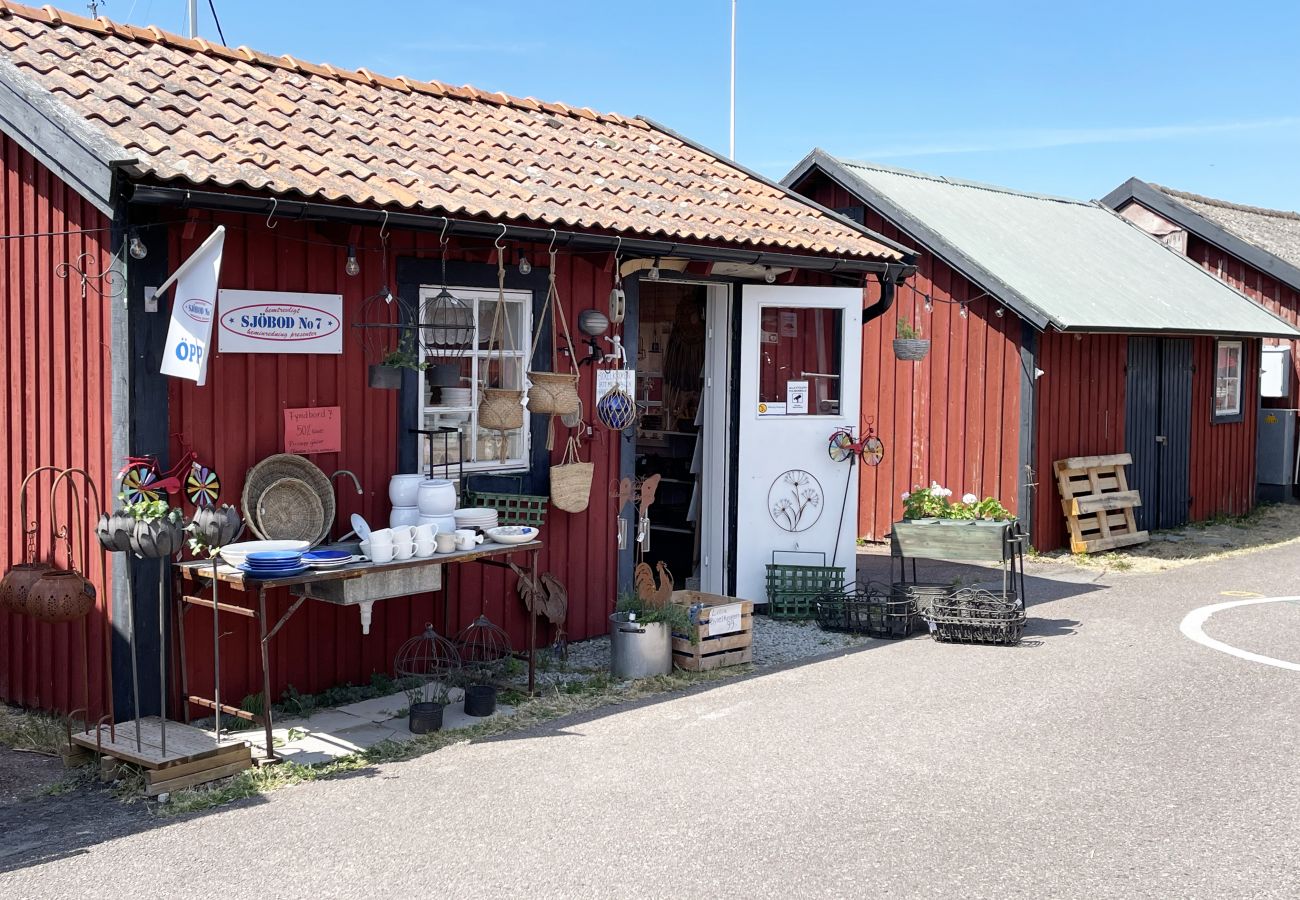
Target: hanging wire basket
{"type": "Point", "coordinates": [446, 326]}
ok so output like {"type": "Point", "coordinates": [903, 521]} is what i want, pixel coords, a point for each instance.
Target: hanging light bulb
{"type": "Point", "coordinates": [998, 312]}
{"type": "Point", "coordinates": [353, 268]}
{"type": "Point", "coordinates": [768, 275]}
{"type": "Point", "coordinates": [137, 249]}
{"type": "Point", "coordinates": [524, 265]}
{"type": "Point", "coordinates": [964, 313]}
{"type": "Point", "coordinates": [929, 305]}
{"type": "Point", "coordinates": [653, 274]}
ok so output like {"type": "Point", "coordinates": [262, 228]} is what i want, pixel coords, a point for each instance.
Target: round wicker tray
{"type": "Point", "coordinates": [289, 510]}
{"type": "Point", "coordinates": [287, 465]}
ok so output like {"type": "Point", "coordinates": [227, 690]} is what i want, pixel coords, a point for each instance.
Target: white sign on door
{"type": "Point", "coordinates": [796, 398]}
{"type": "Point", "coordinates": [280, 322]}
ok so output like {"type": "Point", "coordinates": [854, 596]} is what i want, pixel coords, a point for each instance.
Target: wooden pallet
{"type": "Point", "coordinates": [710, 650]}
{"type": "Point", "coordinates": [1097, 502]}
{"type": "Point", "coordinates": [192, 757]}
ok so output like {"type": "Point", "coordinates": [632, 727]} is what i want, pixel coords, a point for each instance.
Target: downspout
{"type": "Point", "coordinates": [887, 294]}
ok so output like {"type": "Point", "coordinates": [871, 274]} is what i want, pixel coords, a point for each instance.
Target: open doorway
{"type": "Point", "coordinates": [671, 359]}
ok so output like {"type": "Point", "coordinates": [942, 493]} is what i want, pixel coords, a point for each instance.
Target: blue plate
{"type": "Point", "coordinates": [325, 556]}
{"type": "Point", "coordinates": [274, 556]}
{"type": "Point", "coordinates": [268, 574]}
{"type": "Point", "coordinates": [287, 564]}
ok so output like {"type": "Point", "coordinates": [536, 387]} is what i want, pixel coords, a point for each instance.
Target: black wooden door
{"type": "Point", "coordinates": [1158, 428]}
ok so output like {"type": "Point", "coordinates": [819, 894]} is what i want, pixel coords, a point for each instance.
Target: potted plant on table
{"type": "Point", "coordinates": [908, 343]}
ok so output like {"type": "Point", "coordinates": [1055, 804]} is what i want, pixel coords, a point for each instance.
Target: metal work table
{"type": "Point", "coordinates": [321, 585]}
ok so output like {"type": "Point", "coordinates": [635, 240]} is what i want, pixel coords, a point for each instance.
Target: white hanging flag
{"type": "Point", "coordinates": [189, 336]}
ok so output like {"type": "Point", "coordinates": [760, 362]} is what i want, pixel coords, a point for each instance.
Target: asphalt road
{"type": "Point", "coordinates": [1109, 756]}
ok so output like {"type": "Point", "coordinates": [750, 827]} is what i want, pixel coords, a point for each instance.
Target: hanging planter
{"type": "Point", "coordinates": [212, 529]}
{"type": "Point", "coordinates": [553, 393]}
{"type": "Point", "coordinates": [908, 343]}
{"type": "Point", "coordinates": [500, 409]}
{"type": "Point", "coordinates": [385, 378]}
{"type": "Point", "coordinates": [159, 537]}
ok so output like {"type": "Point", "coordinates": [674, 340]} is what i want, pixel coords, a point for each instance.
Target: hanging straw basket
{"type": "Point", "coordinates": [912, 349]}
{"type": "Point", "coordinates": [501, 409]}
{"type": "Point", "coordinates": [553, 393]}
{"type": "Point", "coordinates": [571, 481]}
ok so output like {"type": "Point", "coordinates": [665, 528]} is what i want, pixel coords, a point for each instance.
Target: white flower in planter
{"type": "Point", "coordinates": [906, 494]}
{"type": "Point", "coordinates": [969, 498]}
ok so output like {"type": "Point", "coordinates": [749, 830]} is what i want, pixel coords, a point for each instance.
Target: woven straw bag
{"type": "Point", "coordinates": [571, 480]}
{"type": "Point", "coordinates": [553, 393]}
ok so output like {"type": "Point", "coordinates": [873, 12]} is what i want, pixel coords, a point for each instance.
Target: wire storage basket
{"type": "Point", "coordinates": [923, 595]}
{"type": "Point", "coordinates": [793, 589]}
{"type": "Point", "coordinates": [872, 609]}
{"type": "Point", "coordinates": [977, 616]}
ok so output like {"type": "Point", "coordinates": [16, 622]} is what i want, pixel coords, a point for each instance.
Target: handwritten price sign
{"type": "Point", "coordinates": [313, 429]}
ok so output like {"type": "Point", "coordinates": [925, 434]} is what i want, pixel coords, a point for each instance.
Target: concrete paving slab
{"type": "Point", "coordinates": [377, 709]}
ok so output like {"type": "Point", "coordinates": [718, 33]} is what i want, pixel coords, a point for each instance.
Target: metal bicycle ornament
{"type": "Point", "coordinates": [142, 478]}
{"type": "Point", "coordinates": [843, 447]}
{"type": "Point", "coordinates": [795, 500]}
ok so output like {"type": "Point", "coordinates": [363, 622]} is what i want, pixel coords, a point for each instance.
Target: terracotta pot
{"type": "Point", "coordinates": [60, 596]}
{"type": "Point", "coordinates": [157, 538]}
{"type": "Point", "coordinates": [18, 582]}
{"type": "Point", "coordinates": [114, 531]}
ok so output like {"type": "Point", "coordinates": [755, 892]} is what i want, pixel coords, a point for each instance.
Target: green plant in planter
{"type": "Point", "coordinates": [990, 509]}
{"type": "Point", "coordinates": [676, 616]}
{"type": "Point", "coordinates": [427, 692]}
{"type": "Point", "coordinates": [928, 502]}
{"type": "Point", "coordinates": [405, 356]}
{"type": "Point", "coordinates": [906, 331]}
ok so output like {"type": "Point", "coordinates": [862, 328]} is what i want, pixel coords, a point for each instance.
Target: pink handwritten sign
{"type": "Point", "coordinates": [313, 429]}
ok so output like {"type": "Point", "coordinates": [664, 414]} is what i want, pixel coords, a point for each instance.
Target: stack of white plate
{"type": "Point", "coordinates": [476, 517]}
{"type": "Point", "coordinates": [455, 396]}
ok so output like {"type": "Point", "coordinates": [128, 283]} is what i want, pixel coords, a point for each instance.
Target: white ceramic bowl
{"type": "Point", "coordinates": [404, 515]}
{"type": "Point", "coordinates": [403, 489]}
{"type": "Point", "coordinates": [512, 534]}
{"type": "Point", "coordinates": [437, 497]}
{"type": "Point", "coordinates": [237, 554]}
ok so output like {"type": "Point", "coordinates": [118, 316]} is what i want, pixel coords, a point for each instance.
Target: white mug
{"type": "Point", "coordinates": [383, 537]}
{"type": "Point", "coordinates": [466, 539]}
{"type": "Point", "coordinates": [426, 532]}
{"type": "Point", "coordinates": [446, 542]}
{"type": "Point", "coordinates": [424, 549]}
{"type": "Point", "coordinates": [403, 533]}
{"type": "Point", "coordinates": [403, 549]}
{"type": "Point", "coordinates": [381, 553]}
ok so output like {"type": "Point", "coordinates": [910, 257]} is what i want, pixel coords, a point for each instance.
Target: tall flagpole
{"type": "Point", "coordinates": [733, 79]}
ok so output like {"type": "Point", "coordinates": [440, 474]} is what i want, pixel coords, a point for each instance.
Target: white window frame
{"type": "Point", "coordinates": [1221, 379]}
{"type": "Point", "coordinates": [483, 301]}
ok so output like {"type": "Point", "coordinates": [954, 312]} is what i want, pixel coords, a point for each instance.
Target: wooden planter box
{"type": "Point", "coordinates": [711, 650]}
{"type": "Point", "coordinates": [967, 540]}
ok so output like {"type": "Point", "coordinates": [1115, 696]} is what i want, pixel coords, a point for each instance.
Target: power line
{"type": "Point", "coordinates": [221, 34]}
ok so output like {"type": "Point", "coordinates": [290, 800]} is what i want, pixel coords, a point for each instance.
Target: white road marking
{"type": "Point", "coordinates": [1192, 627]}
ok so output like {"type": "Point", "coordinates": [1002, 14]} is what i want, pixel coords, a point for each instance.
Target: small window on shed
{"type": "Point", "coordinates": [1227, 379]}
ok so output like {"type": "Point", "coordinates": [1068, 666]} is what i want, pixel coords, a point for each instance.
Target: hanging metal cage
{"type": "Point", "coordinates": [427, 656]}
{"type": "Point", "coordinates": [446, 326]}
{"type": "Point", "coordinates": [383, 327]}
{"type": "Point", "coordinates": [484, 648]}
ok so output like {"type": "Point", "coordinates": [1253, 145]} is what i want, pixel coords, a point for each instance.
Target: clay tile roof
{"type": "Point", "coordinates": [426, 146]}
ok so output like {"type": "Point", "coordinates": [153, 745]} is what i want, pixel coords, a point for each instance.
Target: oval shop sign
{"type": "Point", "coordinates": [280, 322]}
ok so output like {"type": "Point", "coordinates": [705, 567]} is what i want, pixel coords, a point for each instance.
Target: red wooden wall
{"type": "Point", "coordinates": [54, 410]}
{"type": "Point", "coordinates": [1080, 413]}
{"type": "Point", "coordinates": [1223, 454]}
{"type": "Point", "coordinates": [236, 420]}
{"type": "Point", "coordinates": [1267, 291]}
{"type": "Point", "coordinates": [953, 417]}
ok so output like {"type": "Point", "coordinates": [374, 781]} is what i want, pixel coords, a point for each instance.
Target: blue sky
{"type": "Point", "coordinates": [1064, 98]}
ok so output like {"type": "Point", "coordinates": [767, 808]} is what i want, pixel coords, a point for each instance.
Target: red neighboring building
{"type": "Point", "coordinates": [156, 140]}
{"type": "Point", "coordinates": [1257, 251]}
{"type": "Point", "coordinates": [1058, 330]}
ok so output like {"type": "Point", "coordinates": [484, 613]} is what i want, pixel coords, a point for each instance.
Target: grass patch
{"type": "Point", "coordinates": [35, 732]}
{"type": "Point", "coordinates": [552, 702]}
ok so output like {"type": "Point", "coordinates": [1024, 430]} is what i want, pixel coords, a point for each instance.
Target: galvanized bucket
{"type": "Point", "coordinates": [639, 650]}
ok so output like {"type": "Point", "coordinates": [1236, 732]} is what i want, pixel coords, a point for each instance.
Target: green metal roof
{"type": "Point", "coordinates": [1058, 262]}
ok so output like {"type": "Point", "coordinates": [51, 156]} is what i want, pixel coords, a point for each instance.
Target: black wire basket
{"type": "Point", "coordinates": [872, 609]}
{"type": "Point", "coordinates": [975, 616]}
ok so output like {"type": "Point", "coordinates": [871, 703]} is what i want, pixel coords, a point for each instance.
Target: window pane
{"type": "Point", "coordinates": [801, 344]}
{"type": "Point", "coordinates": [511, 329]}
{"type": "Point", "coordinates": [1227, 378]}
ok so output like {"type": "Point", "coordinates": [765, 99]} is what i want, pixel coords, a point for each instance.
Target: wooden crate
{"type": "Point", "coordinates": [193, 756]}
{"type": "Point", "coordinates": [1097, 502]}
{"type": "Point", "coordinates": [710, 650]}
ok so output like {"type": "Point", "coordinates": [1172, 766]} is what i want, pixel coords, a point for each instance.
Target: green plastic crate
{"type": "Point", "coordinates": [792, 590]}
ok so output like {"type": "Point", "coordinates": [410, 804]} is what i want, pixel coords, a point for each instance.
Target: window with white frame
{"type": "Point", "coordinates": [1227, 379]}
{"type": "Point", "coordinates": [450, 386]}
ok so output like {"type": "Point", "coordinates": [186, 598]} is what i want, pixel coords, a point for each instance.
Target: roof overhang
{"type": "Point", "coordinates": [1160, 203]}
{"type": "Point", "coordinates": [214, 201]}
{"type": "Point", "coordinates": [62, 141]}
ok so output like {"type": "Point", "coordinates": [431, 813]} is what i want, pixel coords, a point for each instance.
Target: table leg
{"type": "Point", "coordinates": [266, 672]}
{"type": "Point", "coordinates": [184, 677]}
{"type": "Point", "coordinates": [532, 628]}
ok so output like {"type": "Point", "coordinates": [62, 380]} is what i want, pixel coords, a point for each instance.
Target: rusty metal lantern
{"type": "Point", "coordinates": [484, 647]}
{"type": "Point", "coordinates": [19, 580]}
{"type": "Point", "coordinates": [426, 656]}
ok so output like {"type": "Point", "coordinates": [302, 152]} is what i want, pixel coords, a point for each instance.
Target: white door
{"type": "Point", "coordinates": [715, 437]}
{"type": "Point", "coordinates": [800, 380]}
